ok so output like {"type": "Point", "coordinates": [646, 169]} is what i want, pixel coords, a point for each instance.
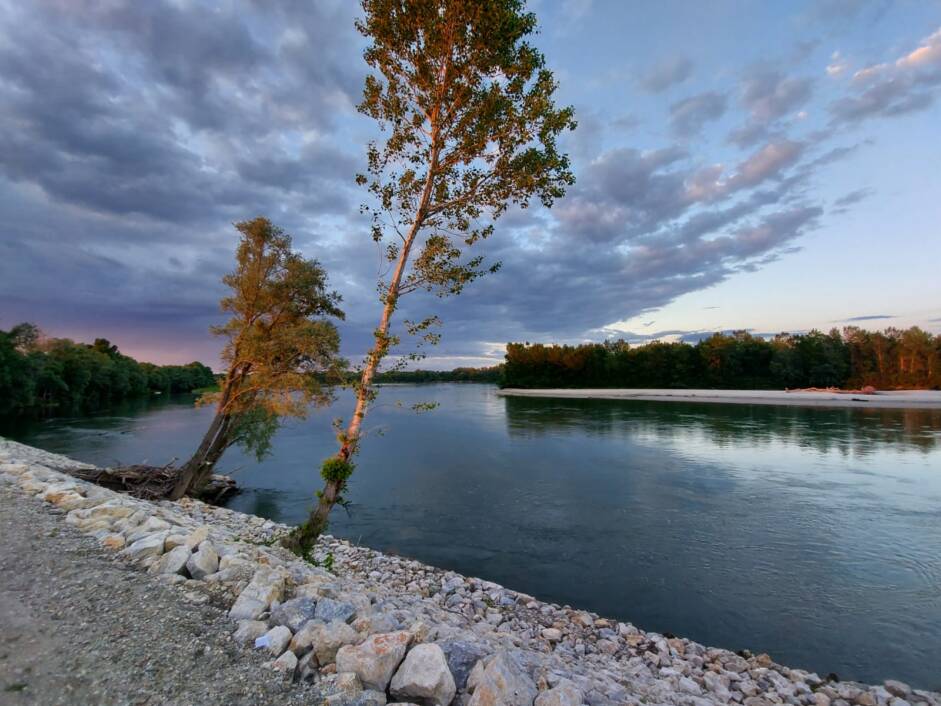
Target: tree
{"type": "Point", "coordinates": [281, 350]}
{"type": "Point", "coordinates": [471, 127]}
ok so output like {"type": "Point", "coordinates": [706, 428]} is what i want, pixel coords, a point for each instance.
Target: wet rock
{"type": "Point", "coordinates": [375, 660]}
{"type": "Point", "coordinates": [424, 677]}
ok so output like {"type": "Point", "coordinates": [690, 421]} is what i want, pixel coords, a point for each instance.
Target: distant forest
{"type": "Point", "coordinates": [491, 374]}
{"type": "Point", "coordinates": [56, 375]}
{"type": "Point", "coordinates": [851, 358]}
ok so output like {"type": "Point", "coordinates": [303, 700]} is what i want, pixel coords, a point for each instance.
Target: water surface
{"type": "Point", "coordinates": [811, 534]}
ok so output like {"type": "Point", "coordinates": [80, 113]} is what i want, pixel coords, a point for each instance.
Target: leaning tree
{"type": "Point", "coordinates": [281, 350]}
{"type": "Point", "coordinates": [470, 127]}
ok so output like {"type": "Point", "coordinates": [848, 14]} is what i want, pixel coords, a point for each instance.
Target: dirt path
{"type": "Point", "coordinates": [78, 627]}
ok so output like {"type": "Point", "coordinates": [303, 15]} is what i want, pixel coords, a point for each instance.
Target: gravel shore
{"type": "Point", "coordinates": [105, 599]}
{"type": "Point", "coordinates": [897, 399]}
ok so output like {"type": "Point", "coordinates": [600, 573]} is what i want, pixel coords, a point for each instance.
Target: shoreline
{"type": "Point", "coordinates": [902, 399]}
{"type": "Point", "coordinates": [332, 629]}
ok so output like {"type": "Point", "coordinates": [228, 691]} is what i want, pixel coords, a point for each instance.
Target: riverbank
{"type": "Point", "coordinates": [902, 399]}
{"type": "Point", "coordinates": [376, 627]}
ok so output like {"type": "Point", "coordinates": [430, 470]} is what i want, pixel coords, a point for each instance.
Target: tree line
{"type": "Point", "coordinates": [851, 358]}
{"type": "Point", "coordinates": [56, 375]}
{"type": "Point", "coordinates": [465, 374]}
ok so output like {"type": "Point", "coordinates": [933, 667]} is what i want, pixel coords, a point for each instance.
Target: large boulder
{"type": "Point", "coordinates": [267, 585]}
{"type": "Point", "coordinates": [462, 655]}
{"type": "Point", "coordinates": [503, 683]}
{"type": "Point", "coordinates": [275, 640]}
{"type": "Point", "coordinates": [375, 660]}
{"type": "Point", "coordinates": [150, 546]}
{"type": "Point", "coordinates": [329, 609]}
{"type": "Point", "coordinates": [204, 562]}
{"type": "Point", "coordinates": [324, 639]}
{"type": "Point", "coordinates": [424, 677]}
{"type": "Point", "coordinates": [565, 693]}
{"type": "Point", "coordinates": [293, 613]}
{"type": "Point", "coordinates": [173, 562]}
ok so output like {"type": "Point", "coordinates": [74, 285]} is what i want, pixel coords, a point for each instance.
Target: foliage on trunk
{"type": "Point", "coordinates": [281, 350]}
{"type": "Point", "coordinates": [466, 106]}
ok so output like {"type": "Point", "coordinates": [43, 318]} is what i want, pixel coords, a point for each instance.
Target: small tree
{"type": "Point", "coordinates": [467, 105]}
{"type": "Point", "coordinates": [280, 352]}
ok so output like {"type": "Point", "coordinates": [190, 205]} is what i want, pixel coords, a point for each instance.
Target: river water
{"type": "Point", "coordinates": [811, 534]}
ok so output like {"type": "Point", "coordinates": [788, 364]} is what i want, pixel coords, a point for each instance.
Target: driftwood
{"type": "Point", "coordinates": [150, 482]}
{"type": "Point", "coordinates": [868, 390]}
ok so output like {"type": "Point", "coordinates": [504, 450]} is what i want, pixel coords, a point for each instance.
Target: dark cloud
{"type": "Point", "coordinates": [690, 115]}
{"type": "Point", "coordinates": [134, 134]}
{"type": "Point", "coordinates": [666, 73]}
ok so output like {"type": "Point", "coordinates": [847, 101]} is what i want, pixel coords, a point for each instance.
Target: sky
{"type": "Point", "coordinates": [739, 165]}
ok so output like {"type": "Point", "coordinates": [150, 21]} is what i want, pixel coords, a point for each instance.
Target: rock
{"type": "Point", "coordinates": [275, 640]}
{"type": "Point", "coordinates": [148, 527]}
{"type": "Point", "coordinates": [286, 663]}
{"type": "Point", "coordinates": [552, 634]}
{"type": "Point", "coordinates": [503, 683]}
{"type": "Point", "coordinates": [688, 686]}
{"type": "Point", "coordinates": [324, 639]}
{"type": "Point", "coordinates": [821, 699]}
{"type": "Point", "coordinates": [113, 540]}
{"type": "Point", "coordinates": [307, 667]}
{"type": "Point", "coordinates": [424, 677]}
{"type": "Point", "coordinates": [293, 613]}
{"type": "Point", "coordinates": [267, 585]}
{"type": "Point", "coordinates": [248, 631]}
{"type": "Point", "coordinates": [375, 660]}
{"type": "Point", "coordinates": [197, 537]}
{"type": "Point", "coordinates": [204, 562]}
{"type": "Point", "coordinates": [173, 562]}
{"type": "Point", "coordinates": [461, 655]}
{"type": "Point", "coordinates": [145, 547]}
{"type": "Point", "coordinates": [898, 688]}
{"type": "Point", "coordinates": [328, 609]}
{"type": "Point", "coordinates": [341, 688]}
{"type": "Point", "coordinates": [564, 693]}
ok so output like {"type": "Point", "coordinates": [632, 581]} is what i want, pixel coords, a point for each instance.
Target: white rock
{"type": "Point", "coordinates": [197, 537]}
{"type": "Point", "coordinates": [375, 660]}
{"type": "Point", "coordinates": [267, 585]}
{"type": "Point", "coordinates": [424, 675]}
{"type": "Point", "coordinates": [146, 547]}
{"type": "Point", "coordinates": [275, 640]}
{"type": "Point", "coordinates": [204, 562]}
{"type": "Point", "coordinates": [173, 562]}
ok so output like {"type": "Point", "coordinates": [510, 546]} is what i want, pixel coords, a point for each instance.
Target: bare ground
{"type": "Point", "coordinates": [79, 627]}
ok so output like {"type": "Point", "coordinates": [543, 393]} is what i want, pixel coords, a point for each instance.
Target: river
{"type": "Point", "coordinates": [811, 534]}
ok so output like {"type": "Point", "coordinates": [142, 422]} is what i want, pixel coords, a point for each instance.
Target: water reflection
{"type": "Point", "coordinates": [846, 431]}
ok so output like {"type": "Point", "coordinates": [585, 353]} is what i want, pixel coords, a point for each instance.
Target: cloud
{"type": "Point", "coordinates": [666, 73]}
{"type": "Point", "coordinates": [769, 98]}
{"type": "Point", "coordinates": [690, 115]}
{"type": "Point", "coordinates": [909, 84]}
{"type": "Point", "coordinates": [870, 317]}
{"type": "Point", "coordinates": [842, 204]}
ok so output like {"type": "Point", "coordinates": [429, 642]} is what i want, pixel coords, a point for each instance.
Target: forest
{"type": "Point", "coordinates": [491, 374]}
{"type": "Point", "coordinates": [850, 359]}
{"type": "Point", "coordinates": [56, 375]}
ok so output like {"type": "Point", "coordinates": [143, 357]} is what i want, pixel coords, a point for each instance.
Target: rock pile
{"type": "Point", "coordinates": [381, 629]}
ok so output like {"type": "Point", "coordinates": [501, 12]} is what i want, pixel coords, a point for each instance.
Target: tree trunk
{"type": "Point", "coordinates": [195, 466]}
{"type": "Point", "coordinates": [305, 536]}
